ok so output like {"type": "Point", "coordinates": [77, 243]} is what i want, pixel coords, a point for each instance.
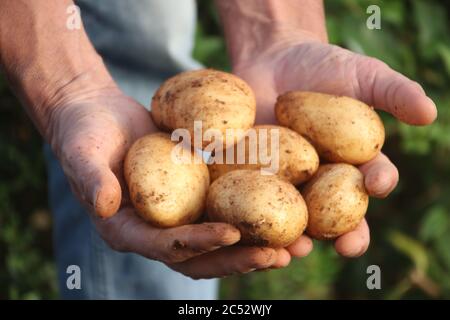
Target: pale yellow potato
{"type": "Point", "coordinates": [219, 99]}
{"type": "Point", "coordinates": [293, 158]}
{"type": "Point", "coordinates": [341, 129]}
{"type": "Point", "coordinates": [167, 188]}
{"type": "Point", "coordinates": [267, 210]}
{"type": "Point", "coordinates": [336, 199]}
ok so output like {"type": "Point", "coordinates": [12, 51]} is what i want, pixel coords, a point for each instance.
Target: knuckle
{"type": "Point", "coordinates": [374, 63]}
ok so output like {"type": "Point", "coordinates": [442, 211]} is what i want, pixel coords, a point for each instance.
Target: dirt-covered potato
{"type": "Point", "coordinates": [166, 186]}
{"type": "Point", "coordinates": [291, 157]}
{"type": "Point", "coordinates": [267, 210]}
{"type": "Point", "coordinates": [341, 129]}
{"type": "Point", "coordinates": [336, 199]}
{"type": "Point", "coordinates": [218, 99]}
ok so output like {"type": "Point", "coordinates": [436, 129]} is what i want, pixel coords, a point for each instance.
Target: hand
{"type": "Point", "coordinates": [90, 124]}
{"type": "Point", "coordinates": [317, 66]}
{"type": "Point", "coordinates": [90, 132]}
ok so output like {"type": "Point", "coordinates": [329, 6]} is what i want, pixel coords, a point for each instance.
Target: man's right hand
{"type": "Point", "coordinates": [90, 131]}
{"type": "Point", "coordinates": [90, 124]}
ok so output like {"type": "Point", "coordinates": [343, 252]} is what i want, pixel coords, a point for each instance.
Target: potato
{"type": "Point", "coordinates": [293, 158]}
{"type": "Point", "coordinates": [220, 100]}
{"type": "Point", "coordinates": [336, 199]}
{"type": "Point", "coordinates": [165, 192]}
{"type": "Point", "coordinates": [267, 210]}
{"type": "Point", "coordinates": [341, 129]}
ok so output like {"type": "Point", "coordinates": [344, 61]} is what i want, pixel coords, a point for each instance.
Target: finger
{"type": "Point", "coordinates": [301, 247]}
{"type": "Point", "coordinates": [354, 243]}
{"type": "Point", "coordinates": [227, 261]}
{"type": "Point", "coordinates": [128, 232]}
{"type": "Point", "coordinates": [380, 176]}
{"type": "Point", "coordinates": [96, 185]}
{"type": "Point", "coordinates": [182, 243]}
{"type": "Point", "coordinates": [106, 192]}
{"type": "Point", "coordinates": [282, 260]}
{"type": "Point", "coordinates": [391, 91]}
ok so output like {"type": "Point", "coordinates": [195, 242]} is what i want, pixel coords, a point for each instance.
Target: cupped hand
{"type": "Point", "coordinates": [90, 132]}
{"type": "Point", "coordinates": [321, 67]}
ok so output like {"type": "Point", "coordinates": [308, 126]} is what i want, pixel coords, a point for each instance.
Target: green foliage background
{"type": "Point", "coordinates": [410, 229]}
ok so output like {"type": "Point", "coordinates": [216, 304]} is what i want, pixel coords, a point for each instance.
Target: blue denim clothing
{"type": "Point", "coordinates": [142, 43]}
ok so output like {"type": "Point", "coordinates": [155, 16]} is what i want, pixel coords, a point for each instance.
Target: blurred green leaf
{"type": "Point", "coordinates": [432, 25]}
{"type": "Point", "coordinates": [411, 248]}
{"type": "Point", "coordinates": [308, 278]}
{"type": "Point", "coordinates": [435, 224]}
{"type": "Point", "coordinates": [394, 12]}
{"type": "Point", "coordinates": [443, 251]}
{"type": "Point", "coordinates": [444, 52]}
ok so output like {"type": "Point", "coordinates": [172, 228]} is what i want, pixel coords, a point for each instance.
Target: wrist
{"type": "Point", "coordinates": [255, 27]}
{"type": "Point", "coordinates": [42, 58]}
{"type": "Point", "coordinates": [43, 88]}
{"type": "Point", "coordinates": [273, 49]}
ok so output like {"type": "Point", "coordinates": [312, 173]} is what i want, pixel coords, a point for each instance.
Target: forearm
{"type": "Point", "coordinates": [251, 25]}
{"type": "Point", "coordinates": [42, 57]}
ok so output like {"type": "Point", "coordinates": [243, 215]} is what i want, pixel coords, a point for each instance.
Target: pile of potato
{"type": "Point", "coordinates": [326, 199]}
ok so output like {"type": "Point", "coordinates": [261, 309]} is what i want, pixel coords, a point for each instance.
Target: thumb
{"type": "Point", "coordinates": [391, 91]}
{"type": "Point", "coordinates": [94, 182]}
{"type": "Point", "coordinates": [105, 192]}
